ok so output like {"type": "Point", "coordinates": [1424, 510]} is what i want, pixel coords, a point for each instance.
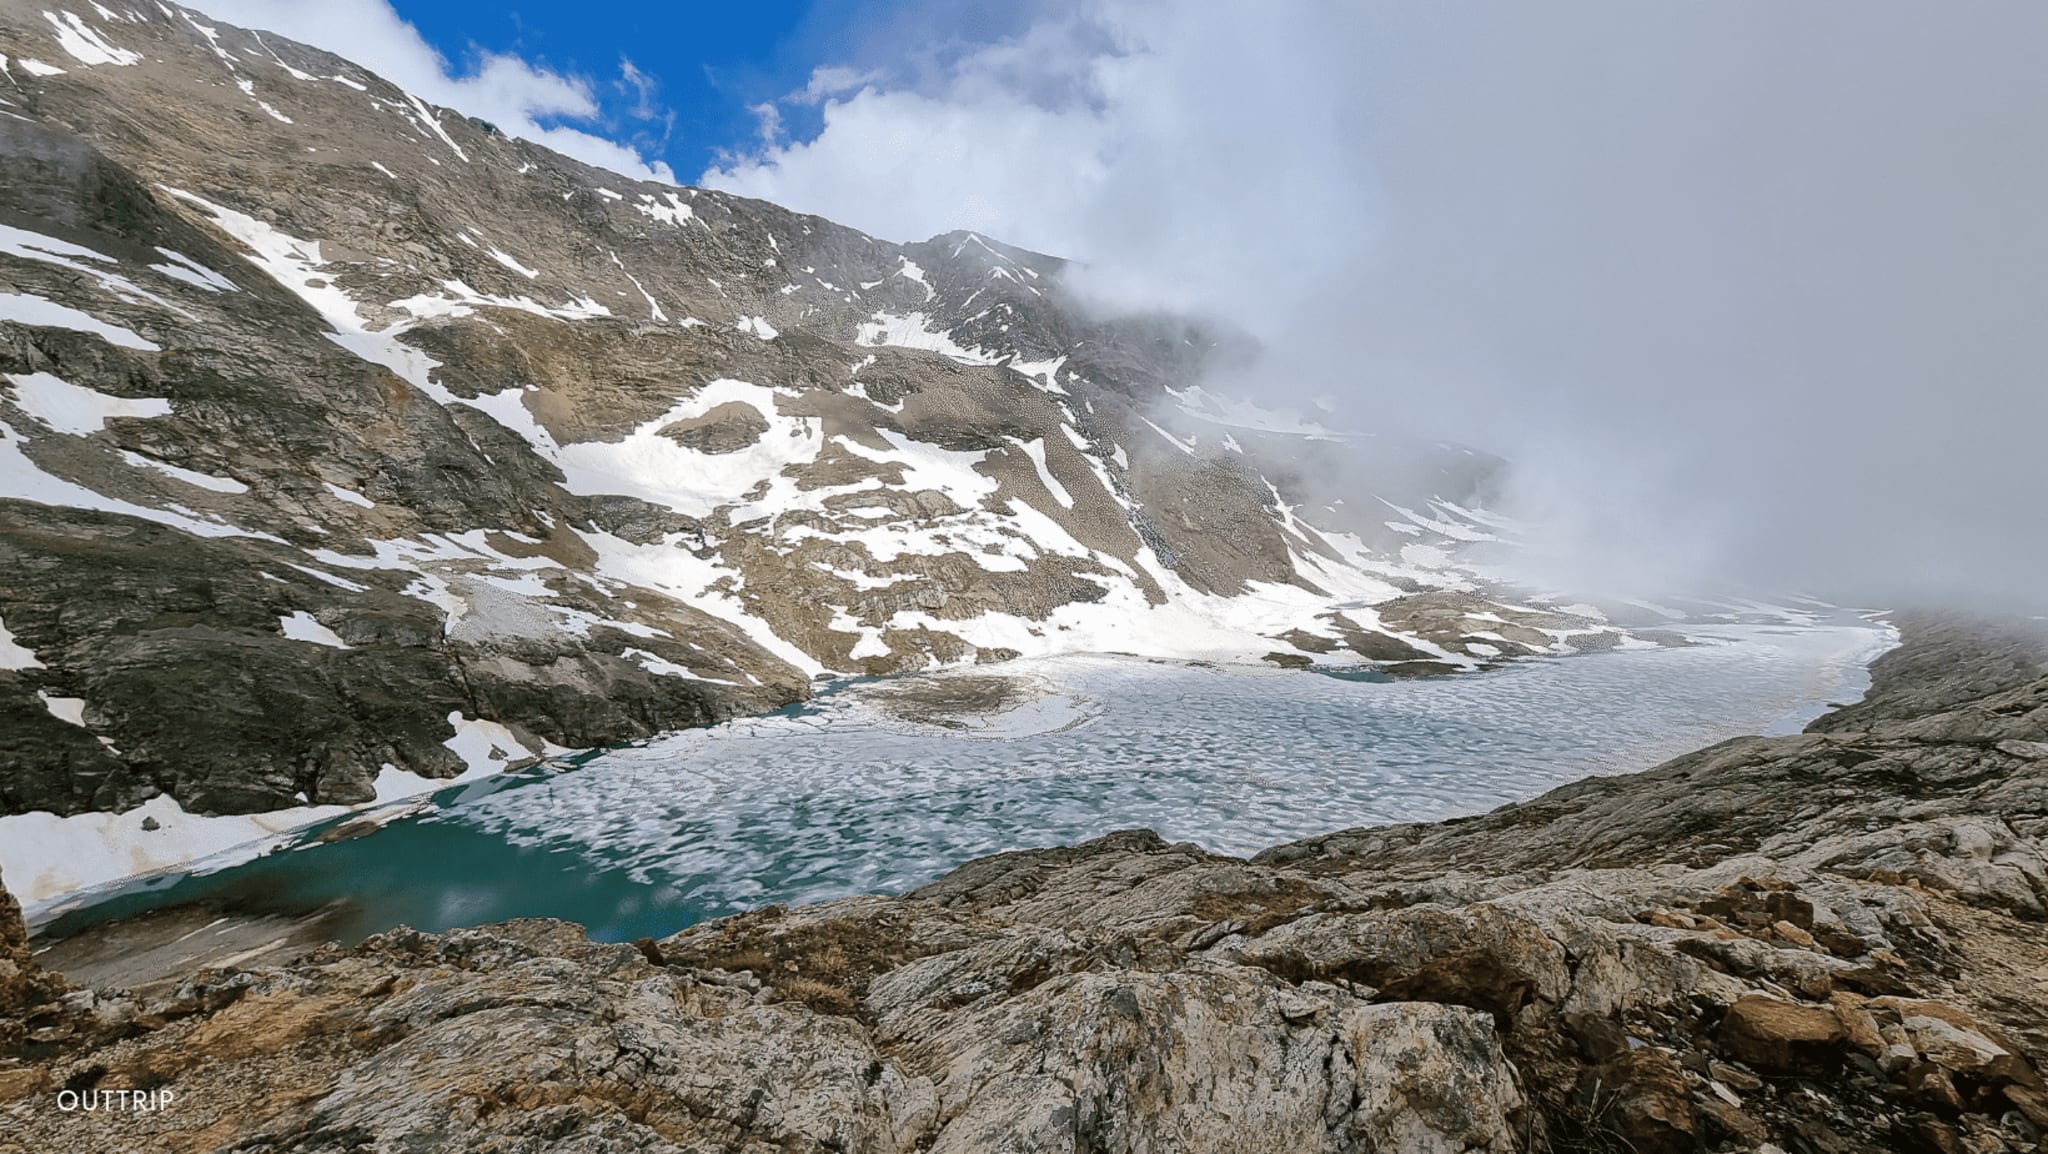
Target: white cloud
{"type": "Point", "coordinates": [768, 116]}
{"type": "Point", "coordinates": [505, 90]}
{"type": "Point", "coordinates": [907, 164]}
{"type": "Point", "coordinates": [1747, 290]}
{"type": "Point", "coordinates": [1139, 135]}
{"type": "Point", "coordinates": [835, 80]}
{"type": "Point", "coordinates": [642, 86]}
{"type": "Point", "coordinates": [932, 153]}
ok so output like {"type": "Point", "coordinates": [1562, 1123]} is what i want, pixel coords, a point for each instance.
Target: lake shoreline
{"type": "Point", "coordinates": [965, 715]}
{"type": "Point", "coordinates": [1839, 928]}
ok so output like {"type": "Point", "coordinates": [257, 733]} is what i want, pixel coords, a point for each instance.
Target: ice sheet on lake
{"type": "Point", "coordinates": [837, 798]}
{"type": "Point", "coordinates": [846, 796]}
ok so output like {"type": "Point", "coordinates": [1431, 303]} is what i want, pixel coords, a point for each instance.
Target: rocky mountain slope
{"type": "Point", "coordinates": [346, 443]}
{"type": "Point", "coordinates": [1831, 942]}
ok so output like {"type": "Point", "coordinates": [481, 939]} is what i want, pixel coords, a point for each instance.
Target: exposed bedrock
{"type": "Point", "coordinates": [1836, 941]}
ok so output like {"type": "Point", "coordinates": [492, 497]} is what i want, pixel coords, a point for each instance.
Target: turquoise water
{"type": "Point", "coordinates": [839, 796]}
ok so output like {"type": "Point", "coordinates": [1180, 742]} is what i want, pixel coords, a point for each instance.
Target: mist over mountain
{"type": "Point", "coordinates": [1745, 293]}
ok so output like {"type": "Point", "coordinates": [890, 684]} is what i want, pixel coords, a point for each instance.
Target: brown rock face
{"type": "Point", "coordinates": [1642, 1098]}
{"type": "Point", "coordinates": [1783, 1037]}
{"type": "Point", "coordinates": [13, 933]}
{"type": "Point", "coordinates": [29, 1010]}
{"type": "Point", "coordinates": [725, 428]}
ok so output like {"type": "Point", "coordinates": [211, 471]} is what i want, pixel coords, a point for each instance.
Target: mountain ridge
{"type": "Point", "coordinates": [353, 446]}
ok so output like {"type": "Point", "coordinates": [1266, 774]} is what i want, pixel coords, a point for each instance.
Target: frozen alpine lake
{"type": "Point", "coordinates": [883, 785]}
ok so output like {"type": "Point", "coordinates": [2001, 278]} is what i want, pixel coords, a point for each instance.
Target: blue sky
{"type": "Point", "coordinates": [707, 62]}
{"type": "Point", "coordinates": [699, 68]}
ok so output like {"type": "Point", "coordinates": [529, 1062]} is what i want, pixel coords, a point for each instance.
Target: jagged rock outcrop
{"type": "Point", "coordinates": [30, 1000]}
{"type": "Point", "coordinates": [1835, 941]}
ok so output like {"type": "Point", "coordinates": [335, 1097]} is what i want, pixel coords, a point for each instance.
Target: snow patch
{"type": "Point", "coordinates": [485, 746]}
{"type": "Point", "coordinates": [29, 309]}
{"type": "Point", "coordinates": [184, 268]}
{"type": "Point", "coordinates": [294, 73]}
{"type": "Point", "coordinates": [432, 120]}
{"type": "Point", "coordinates": [1438, 525]}
{"type": "Point", "coordinates": [1044, 375]}
{"type": "Point", "coordinates": [303, 626]}
{"type": "Point", "coordinates": [45, 856]}
{"type": "Point", "coordinates": [506, 259]}
{"type": "Point", "coordinates": [915, 331]}
{"type": "Point", "coordinates": [188, 476]}
{"type": "Point", "coordinates": [66, 709]}
{"type": "Point", "coordinates": [67, 408]}
{"type": "Point", "coordinates": [85, 44]}
{"type": "Point", "coordinates": [349, 495]}
{"type": "Point", "coordinates": [1187, 447]}
{"type": "Point", "coordinates": [1035, 449]}
{"type": "Point", "coordinates": [675, 571]}
{"type": "Point", "coordinates": [26, 245]}
{"type": "Point", "coordinates": [654, 468]}
{"type": "Point", "coordinates": [674, 212]}
{"type": "Point", "coordinates": [661, 666]}
{"type": "Point", "coordinates": [757, 326]}
{"type": "Point", "coordinates": [910, 271]}
{"type": "Point", "coordinates": [296, 264]}
{"type": "Point", "coordinates": [464, 300]}
{"type": "Point", "coordinates": [23, 479]}
{"type": "Point", "coordinates": [14, 655]}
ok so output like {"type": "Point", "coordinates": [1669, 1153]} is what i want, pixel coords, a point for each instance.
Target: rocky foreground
{"type": "Point", "coordinates": [1834, 941]}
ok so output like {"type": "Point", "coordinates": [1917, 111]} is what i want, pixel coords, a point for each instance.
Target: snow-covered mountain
{"type": "Point", "coordinates": [346, 442]}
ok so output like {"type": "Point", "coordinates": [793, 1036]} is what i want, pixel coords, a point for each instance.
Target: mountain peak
{"type": "Point", "coordinates": [382, 443]}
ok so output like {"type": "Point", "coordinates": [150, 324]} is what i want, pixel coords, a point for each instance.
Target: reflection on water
{"type": "Point", "coordinates": [842, 795]}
